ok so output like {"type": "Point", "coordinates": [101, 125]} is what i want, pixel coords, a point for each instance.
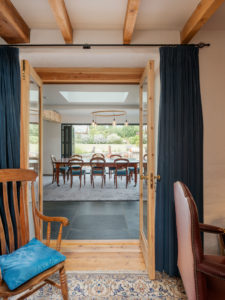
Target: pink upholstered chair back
{"type": "Point", "coordinates": [188, 236]}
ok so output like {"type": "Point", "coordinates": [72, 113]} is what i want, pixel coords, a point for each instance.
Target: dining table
{"type": "Point", "coordinates": [63, 162]}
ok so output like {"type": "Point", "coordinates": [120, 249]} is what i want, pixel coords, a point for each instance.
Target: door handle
{"type": "Point", "coordinates": [143, 177]}
{"type": "Point", "coordinates": [157, 177]}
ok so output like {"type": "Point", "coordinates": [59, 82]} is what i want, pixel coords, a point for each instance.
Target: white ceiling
{"type": "Point", "coordinates": [53, 100]}
{"type": "Point", "coordinates": [164, 14]}
{"type": "Point", "coordinates": [52, 95]}
{"type": "Point", "coordinates": [110, 14]}
{"type": "Point", "coordinates": [36, 13]}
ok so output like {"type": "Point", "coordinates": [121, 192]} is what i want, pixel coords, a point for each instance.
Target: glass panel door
{"type": "Point", "coordinates": [34, 131]}
{"type": "Point", "coordinates": [147, 188]}
{"type": "Point", "coordinates": [31, 131]}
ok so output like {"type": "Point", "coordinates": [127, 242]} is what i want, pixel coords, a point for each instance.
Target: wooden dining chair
{"type": "Point", "coordinates": [111, 169]}
{"type": "Point", "coordinates": [121, 170]}
{"type": "Point", "coordinates": [53, 160]}
{"type": "Point", "coordinates": [76, 156]}
{"type": "Point", "coordinates": [18, 181]}
{"type": "Point", "coordinates": [76, 169]}
{"type": "Point", "coordinates": [63, 170]}
{"type": "Point", "coordinates": [97, 169]}
{"type": "Point", "coordinates": [98, 155]}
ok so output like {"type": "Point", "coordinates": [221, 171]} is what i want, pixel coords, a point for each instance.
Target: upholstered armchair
{"type": "Point", "coordinates": [203, 276]}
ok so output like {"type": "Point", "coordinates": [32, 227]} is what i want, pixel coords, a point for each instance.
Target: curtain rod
{"type": "Point", "coordinates": [89, 46]}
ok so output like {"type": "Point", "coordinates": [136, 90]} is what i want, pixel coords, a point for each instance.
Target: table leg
{"type": "Point", "coordinates": [57, 174]}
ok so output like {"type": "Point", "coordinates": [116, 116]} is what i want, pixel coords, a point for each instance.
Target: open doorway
{"type": "Point", "coordinates": [88, 207]}
{"type": "Point", "coordinates": [145, 170]}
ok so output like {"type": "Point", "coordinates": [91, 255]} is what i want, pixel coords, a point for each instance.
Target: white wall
{"type": "Point", "coordinates": [212, 79]}
{"type": "Point", "coordinates": [51, 144]}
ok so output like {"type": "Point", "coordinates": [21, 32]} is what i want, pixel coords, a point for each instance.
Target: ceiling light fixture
{"type": "Point", "coordinates": [126, 122]}
{"type": "Point", "coordinates": [114, 122]}
{"type": "Point", "coordinates": [108, 114]}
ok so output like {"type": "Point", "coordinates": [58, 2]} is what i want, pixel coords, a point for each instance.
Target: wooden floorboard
{"type": "Point", "coordinates": [117, 255]}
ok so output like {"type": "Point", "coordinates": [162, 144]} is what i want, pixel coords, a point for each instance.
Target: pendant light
{"type": "Point", "coordinates": [114, 122]}
{"type": "Point", "coordinates": [126, 122]}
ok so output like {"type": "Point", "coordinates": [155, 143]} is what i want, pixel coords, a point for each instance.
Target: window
{"type": "Point", "coordinates": [106, 139]}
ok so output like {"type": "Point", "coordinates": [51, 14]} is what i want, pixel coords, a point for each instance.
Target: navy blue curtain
{"type": "Point", "coordinates": [9, 118]}
{"type": "Point", "coordinates": [180, 145]}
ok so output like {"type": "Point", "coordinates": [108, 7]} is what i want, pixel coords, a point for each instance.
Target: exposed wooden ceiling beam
{"type": "Point", "coordinates": [90, 75]}
{"type": "Point", "coordinates": [62, 18]}
{"type": "Point", "coordinates": [202, 13]}
{"type": "Point", "coordinates": [130, 20]}
{"type": "Point", "coordinates": [13, 28]}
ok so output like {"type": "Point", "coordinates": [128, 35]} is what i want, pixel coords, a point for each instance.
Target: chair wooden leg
{"type": "Point", "coordinates": [80, 180]}
{"type": "Point", "coordinates": [116, 181]}
{"type": "Point", "coordinates": [63, 282]}
{"type": "Point", "coordinates": [71, 181]}
{"type": "Point", "coordinates": [84, 178]}
{"type": "Point", "coordinates": [64, 177]}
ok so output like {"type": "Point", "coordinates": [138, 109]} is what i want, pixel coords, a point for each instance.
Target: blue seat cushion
{"type": "Point", "coordinates": [132, 169]}
{"type": "Point", "coordinates": [77, 172]}
{"type": "Point", "coordinates": [98, 171]}
{"type": "Point", "coordinates": [112, 168]}
{"type": "Point", "coordinates": [122, 172]}
{"type": "Point", "coordinates": [64, 169]}
{"type": "Point", "coordinates": [27, 262]}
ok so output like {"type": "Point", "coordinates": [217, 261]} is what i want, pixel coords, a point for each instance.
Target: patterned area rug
{"type": "Point", "coordinates": [108, 193]}
{"type": "Point", "coordinates": [116, 286]}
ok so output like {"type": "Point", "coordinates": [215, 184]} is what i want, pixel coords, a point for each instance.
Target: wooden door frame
{"type": "Point", "coordinates": [26, 71]}
{"type": "Point", "coordinates": [106, 76]}
{"type": "Point", "coordinates": [148, 243]}
{"type": "Point", "coordinates": [90, 75]}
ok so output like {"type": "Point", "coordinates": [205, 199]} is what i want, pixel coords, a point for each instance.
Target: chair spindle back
{"type": "Point", "coordinates": [14, 182]}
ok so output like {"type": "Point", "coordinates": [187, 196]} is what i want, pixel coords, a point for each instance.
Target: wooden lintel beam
{"type": "Point", "coordinates": [62, 18]}
{"type": "Point", "coordinates": [90, 75]}
{"type": "Point", "coordinates": [130, 20]}
{"type": "Point", "coordinates": [202, 13]}
{"type": "Point", "coordinates": [13, 28]}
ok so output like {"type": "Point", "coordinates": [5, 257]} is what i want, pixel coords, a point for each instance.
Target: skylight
{"type": "Point", "coordinates": [94, 97]}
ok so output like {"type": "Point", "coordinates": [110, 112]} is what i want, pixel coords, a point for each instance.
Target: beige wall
{"type": "Point", "coordinates": [212, 79]}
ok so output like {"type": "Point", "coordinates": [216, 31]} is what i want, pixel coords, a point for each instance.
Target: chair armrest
{"type": "Point", "coordinates": [212, 269]}
{"type": "Point", "coordinates": [62, 220]}
{"type": "Point", "coordinates": [211, 229]}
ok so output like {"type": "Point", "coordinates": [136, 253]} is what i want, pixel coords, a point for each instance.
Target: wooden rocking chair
{"type": "Point", "coordinates": [22, 178]}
